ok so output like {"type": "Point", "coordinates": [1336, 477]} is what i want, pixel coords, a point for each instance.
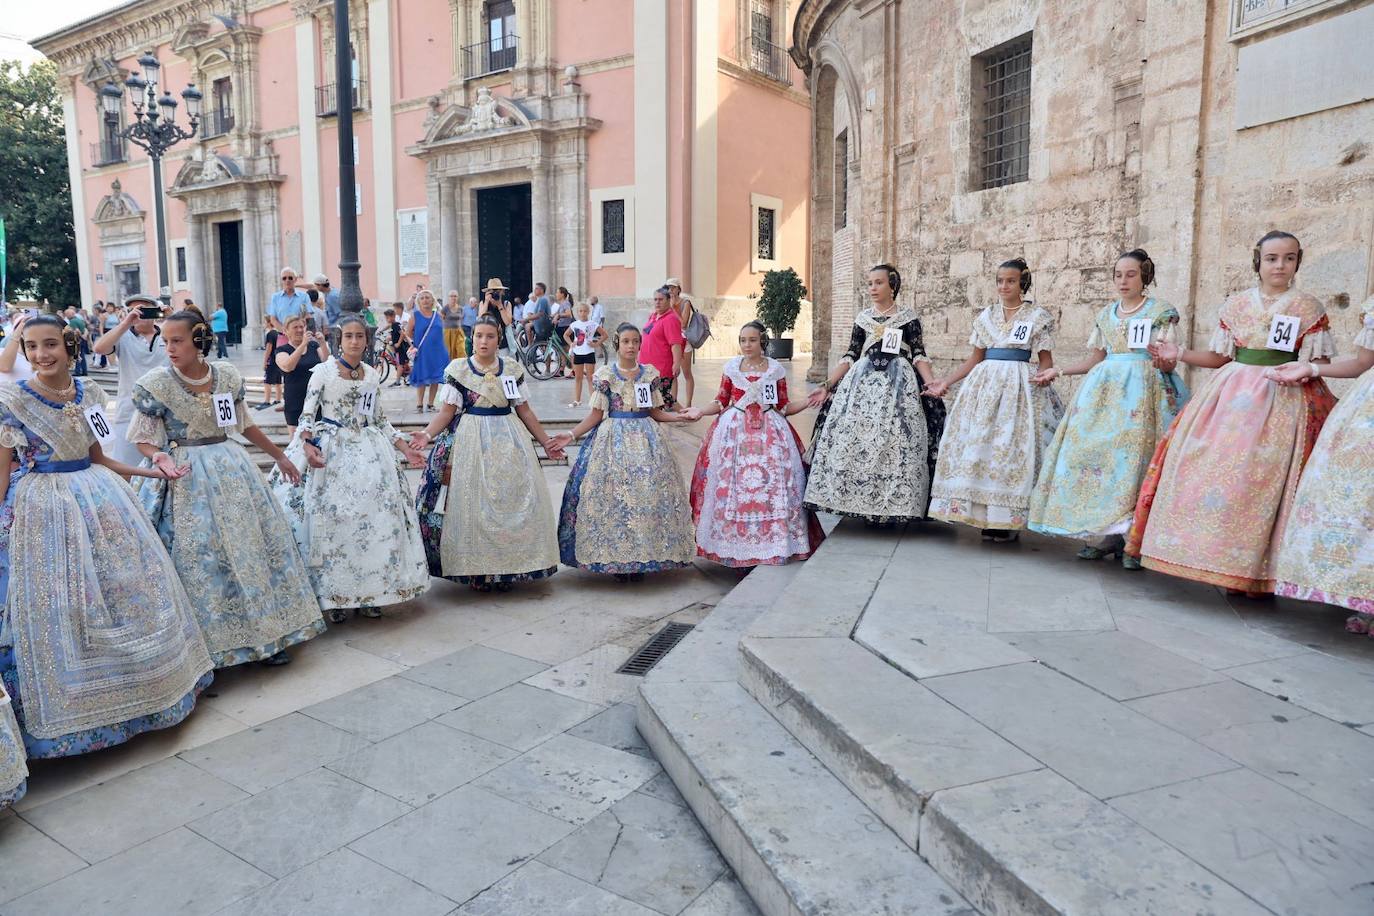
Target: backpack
{"type": "Point", "coordinates": [698, 329]}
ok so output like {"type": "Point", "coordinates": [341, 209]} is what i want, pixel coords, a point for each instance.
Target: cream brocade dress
{"type": "Point", "coordinates": [998, 429]}
{"type": "Point", "coordinates": [1327, 553]}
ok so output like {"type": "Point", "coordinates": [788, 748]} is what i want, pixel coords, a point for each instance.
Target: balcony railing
{"type": "Point", "coordinates": [490, 56]}
{"type": "Point", "coordinates": [109, 151]}
{"type": "Point", "coordinates": [217, 123]}
{"type": "Point", "coordinates": [762, 56]}
{"type": "Point", "coordinates": [327, 101]}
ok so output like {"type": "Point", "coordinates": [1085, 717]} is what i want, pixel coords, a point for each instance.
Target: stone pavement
{"type": "Point", "coordinates": [468, 753]}
{"type": "Point", "coordinates": [1019, 731]}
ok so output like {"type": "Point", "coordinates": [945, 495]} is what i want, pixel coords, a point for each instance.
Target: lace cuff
{"type": "Point", "coordinates": [148, 430]}
{"type": "Point", "coordinates": [1223, 342]}
{"type": "Point", "coordinates": [921, 358]}
{"type": "Point", "coordinates": [13, 437]}
{"type": "Point", "coordinates": [1317, 345]}
{"type": "Point", "coordinates": [845, 360]}
{"type": "Point", "coordinates": [1095, 339]}
{"type": "Point", "coordinates": [1365, 338]}
{"type": "Point", "coordinates": [450, 395]}
{"type": "Point", "coordinates": [598, 400]}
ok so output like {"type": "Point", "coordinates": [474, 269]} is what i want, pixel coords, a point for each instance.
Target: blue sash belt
{"type": "Point", "coordinates": [61, 467]}
{"type": "Point", "coordinates": [488, 411]}
{"type": "Point", "coordinates": [1130, 354]}
{"type": "Point", "coordinates": [1010, 354]}
{"type": "Point", "coordinates": [628, 414]}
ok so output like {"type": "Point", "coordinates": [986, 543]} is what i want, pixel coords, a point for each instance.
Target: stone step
{"type": "Point", "coordinates": [799, 841]}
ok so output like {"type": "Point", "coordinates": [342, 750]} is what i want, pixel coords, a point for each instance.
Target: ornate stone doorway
{"type": "Point", "coordinates": [229, 243]}
{"type": "Point", "coordinates": [504, 238]}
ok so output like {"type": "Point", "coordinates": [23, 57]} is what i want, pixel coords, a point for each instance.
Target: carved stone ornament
{"type": "Point", "coordinates": [484, 115]}
{"type": "Point", "coordinates": [116, 205]}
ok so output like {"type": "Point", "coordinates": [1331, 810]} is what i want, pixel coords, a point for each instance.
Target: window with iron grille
{"type": "Point", "coordinates": [613, 227]}
{"type": "Point", "coordinates": [842, 179]}
{"type": "Point", "coordinates": [1002, 119]}
{"type": "Point", "coordinates": [767, 221]}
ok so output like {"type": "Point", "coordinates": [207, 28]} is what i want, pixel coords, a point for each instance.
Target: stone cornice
{"type": "Point", "coordinates": [812, 19]}
{"type": "Point", "coordinates": [128, 29]}
{"type": "Point", "coordinates": [745, 74]}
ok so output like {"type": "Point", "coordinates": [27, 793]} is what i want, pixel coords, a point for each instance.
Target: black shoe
{"type": "Point", "coordinates": [276, 661]}
{"type": "Point", "coordinates": [337, 615]}
{"type": "Point", "coordinates": [371, 613]}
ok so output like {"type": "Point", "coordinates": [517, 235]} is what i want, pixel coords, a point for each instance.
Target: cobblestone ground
{"type": "Point", "coordinates": [466, 753]}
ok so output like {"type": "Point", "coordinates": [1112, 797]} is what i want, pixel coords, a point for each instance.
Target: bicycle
{"type": "Point", "coordinates": [384, 360]}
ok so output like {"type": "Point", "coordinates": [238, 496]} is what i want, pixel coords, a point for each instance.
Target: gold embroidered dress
{"type": "Point", "coordinates": [1217, 497]}
{"type": "Point", "coordinates": [494, 522]}
{"type": "Point", "coordinates": [230, 541]}
{"type": "Point", "coordinates": [1327, 552]}
{"type": "Point", "coordinates": [999, 427]}
{"type": "Point", "coordinates": [98, 640]}
{"type": "Point", "coordinates": [14, 772]}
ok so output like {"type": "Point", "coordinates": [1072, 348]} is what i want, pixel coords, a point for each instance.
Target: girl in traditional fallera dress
{"type": "Point", "coordinates": [14, 771]}
{"type": "Point", "coordinates": [1092, 471]}
{"type": "Point", "coordinates": [352, 513]}
{"type": "Point", "coordinates": [1217, 497]}
{"type": "Point", "coordinates": [229, 539]}
{"type": "Point", "coordinates": [876, 443]}
{"type": "Point", "coordinates": [485, 512]}
{"type": "Point", "coordinates": [749, 480]}
{"type": "Point", "coordinates": [1327, 552]}
{"type": "Point", "coordinates": [624, 509]}
{"type": "Point", "coordinates": [98, 639]}
{"type": "Point", "coordinates": [1002, 421]}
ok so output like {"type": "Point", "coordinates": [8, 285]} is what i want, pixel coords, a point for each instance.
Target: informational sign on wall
{"type": "Point", "coordinates": [1248, 16]}
{"type": "Point", "coordinates": [412, 229]}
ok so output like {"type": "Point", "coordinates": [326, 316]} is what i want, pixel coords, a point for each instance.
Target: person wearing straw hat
{"type": "Point", "coordinates": [494, 303]}
{"type": "Point", "coordinates": [683, 306]}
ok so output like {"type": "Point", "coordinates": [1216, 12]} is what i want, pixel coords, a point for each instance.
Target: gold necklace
{"type": "Point", "coordinates": [55, 394]}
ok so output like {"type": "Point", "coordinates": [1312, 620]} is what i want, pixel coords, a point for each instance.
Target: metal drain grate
{"type": "Point", "coordinates": [652, 652]}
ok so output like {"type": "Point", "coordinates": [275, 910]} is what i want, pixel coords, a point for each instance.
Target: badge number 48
{"type": "Point", "coordinates": [1021, 332]}
{"type": "Point", "coordinates": [1283, 333]}
{"type": "Point", "coordinates": [225, 414]}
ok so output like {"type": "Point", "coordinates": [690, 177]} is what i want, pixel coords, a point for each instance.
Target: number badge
{"type": "Point", "coordinates": [892, 341]}
{"type": "Point", "coordinates": [99, 423]}
{"type": "Point", "coordinates": [367, 402]}
{"type": "Point", "coordinates": [644, 396]}
{"type": "Point", "coordinates": [510, 387]}
{"type": "Point", "coordinates": [225, 414]}
{"type": "Point", "coordinates": [1138, 333]}
{"type": "Point", "coordinates": [1021, 332]}
{"type": "Point", "coordinates": [1283, 333]}
{"type": "Point", "coordinates": [768, 394]}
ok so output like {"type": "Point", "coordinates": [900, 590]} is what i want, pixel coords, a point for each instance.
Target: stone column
{"type": "Point", "coordinates": [196, 246]}
{"type": "Point", "coordinates": [448, 236]}
{"type": "Point", "coordinates": [541, 224]}
{"type": "Point", "coordinates": [254, 295]}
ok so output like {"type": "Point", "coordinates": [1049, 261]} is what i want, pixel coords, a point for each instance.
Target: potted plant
{"type": "Point", "coordinates": [778, 307]}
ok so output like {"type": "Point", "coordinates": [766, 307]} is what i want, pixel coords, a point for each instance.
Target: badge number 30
{"type": "Point", "coordinates": [1283, 333]}
{"type": "Point", "coordinates": [644, 397]}
{"type": "Point", "coordinates": [225, 414]}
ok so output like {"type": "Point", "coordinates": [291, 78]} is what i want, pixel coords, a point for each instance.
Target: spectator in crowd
{"type": "Point", "coordinates": [494, 303]}
{"type": "Point", "coordinates": [684, 309]}
{"type": "Point", "coordinates": [400, 345]}
{"type": "Point", "coordinates": [469, 319]}
{"type": "Point", "coordinates": [454, 339]}
{"type": "Point", "coordinates": [428, 355]}
{"type": "Point", "coordinates": [538, 318]}
{"type": "Point", "coordinates": [137, 341]}
{"type": "Point", "coordinates": [663, 343]}
{"type": "Point", "coordinates": [113, 315]}
{"type": "Point", "coordinates": [14, 365]}
{"type": "Point", "coordinates": [302, 351]}
{"type": "Point", "coordinates": [598, 310]}
{"type": "Point", "coordinates": [583, 336]}
{"type": "Point", "coordinates": [219, 323]}
{"type": "Point", "coordinates": [289, 300]}
{"type": "Point", "coordinates": [271, 373]}
{"type": "Point", "coordinates": [77, 322]}
{"type": "Point", "coordinates": [333, 308]}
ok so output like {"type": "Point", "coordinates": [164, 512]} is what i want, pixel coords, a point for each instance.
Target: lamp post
{"type": "Point", "coordinates": [350, 292]}
{"type": "Point", "coordinates": [154, 128]}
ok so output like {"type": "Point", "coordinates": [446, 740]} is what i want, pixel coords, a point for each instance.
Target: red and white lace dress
{"type": "Point", "coordinates": [749, 480]}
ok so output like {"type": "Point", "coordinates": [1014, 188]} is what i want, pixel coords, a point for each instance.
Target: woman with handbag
{"type": "Point", "coordinates": [696, 330]}
{"type": "Point", "coordinates": [429, 353]}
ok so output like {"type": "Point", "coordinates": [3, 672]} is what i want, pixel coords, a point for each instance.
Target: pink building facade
{"type": "Point", "coordinates": [601, 145]}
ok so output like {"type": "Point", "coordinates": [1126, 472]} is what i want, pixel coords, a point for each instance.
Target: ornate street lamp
{"type": "Point", "coordinates": [350, 292]}
{"type": "Point", "coordinates": [153, 128]}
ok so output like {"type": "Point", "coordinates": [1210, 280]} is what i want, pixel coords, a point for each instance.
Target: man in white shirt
{"type": "Point", "coordinates": [139, 353]}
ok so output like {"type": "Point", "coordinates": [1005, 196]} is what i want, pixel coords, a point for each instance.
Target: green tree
{"type": "Point", "coordinates": [35, 196]}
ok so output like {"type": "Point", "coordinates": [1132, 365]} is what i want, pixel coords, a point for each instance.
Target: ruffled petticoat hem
{"type": "Point", "coordinates": [1363, 606]}
{"type": "Point", "coordinates": [871, 519]}
{"type": "Point", "coordinates": [10, 796]}
{"type": "Point", "coordinates": [734, 563]}
{"type": "Point", "coordinates": [1117, 530]}
{"type": "Point", "coordinates": [503, 577]}
{"type": "Point", "coordinates": [1207, 576]}
{"type": "Point", "coordinates": [631, 568]}
{"type": "Point", "coordinates": [352, 601]}
{"type": "Point", "coordinates": [976, 515]}
{"type": "Point", "coordinates": [231, 657]}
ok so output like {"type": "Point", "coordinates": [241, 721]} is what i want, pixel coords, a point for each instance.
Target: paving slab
{"type": "Point", "coordinates": [1313, 756]}
{"type": "Point", "coordinates": [1036, 844]}
{"type": "Point", "coordinates": [615, 728]}
{"type": "Point", "coordinates": [1099, 744]}
{"type": "Point", "coordinates": [649, 851]}
{"type": "Point", "coordinates": [1025, 598]}
{"type": "Point", "coordinates": [1201, 711]}
{"type": "Point", "coordinates": [536, 888]}
{"type": "Point", "coordinates": [31, 859]}
{"type": "Point", "coordinates": [424, 630]}
{"type": "Point", "coordinates": [1333, 687]}
{"type": "Point", "coordinates": [1241, 646]}
{"type": "Point", "coordinates": [591, 677]}
{"type": "Point", "coordinates": [661, 787]}
{"type": "Point", "coordinates": [297, 822]}
{"type": "Point", "coordinates": [893, 742]}
{"type": "Point", "coordinates": [462, 843]}
{"type": "Point", "coordinates": [268, 755]}
{"type": "Point", "coordinates": [176, 874]}
{"type": "Point", "coordinates": [1118, 665]}
{"type": "Point", "coordinates": [419, 765]}
{"type": "Point", "coordinates": [384, 708]}
{"type": "Point", "coordinates": [826, 598]}
{"type": "Point", "coordinates": [570, 778]}
{"type": "Point", "coordinates": [727, 897]}
{"type": "Point", "coordinates": [519, 716]}
{"type": "Point", "coordinates": [474, 672]}
{"type": "Point", "coordinates": [130, 809]}
{"type": "Point", "coordinates": [570, 632]}
{"type": "Point", "coordinates": [1287, 852]}
{"type": "Point", "coordinates": [343, 883]}
{"type": "Point", "coordinates": [797, 839]}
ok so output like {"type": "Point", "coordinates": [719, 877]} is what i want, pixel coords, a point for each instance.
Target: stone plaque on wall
{"type": "Point", "coordinates": [1319, 66]}
{"type": "Point", "coordinates": [1250, 16]}
{"type": "Point", "coordinates": [412, 229]}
